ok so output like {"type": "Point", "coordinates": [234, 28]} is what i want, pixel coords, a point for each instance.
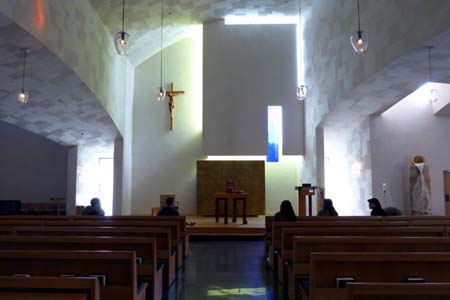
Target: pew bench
{"type": "Point", "coordinates": [397, 291]}
{"type": "Point", "coordinates": [115, 270]}
{"type": "Point", "coordinates": [284, 256]}
{"type": "Point", "coordinates": [144, 248]}
{"type": "Point", "coordinates": [327, 269]}
{"type": "Point", "coordinates": [46, 288]}
{"type": "Point", "coordinates": [164, 251]}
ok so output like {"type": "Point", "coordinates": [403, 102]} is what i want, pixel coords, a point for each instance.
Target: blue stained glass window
{"type": "Point", "coordinates": [274, 133]}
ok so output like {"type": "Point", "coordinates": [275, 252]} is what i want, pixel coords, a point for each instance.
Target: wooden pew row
{"type": "Point", "coordinates": [181, 220]}
{"type": "Point", "coordinates": [177, 241]}
{"type": "Point", "coordinates": [306, 245]}
{"type": "Point", "coordinates": [162, 236]}
{"type": "Point", "coordinates": [397, 291]}
{"type": "Point", "coordinates": [45, 288]}
{"type": "Point", "coordinates": [372, 267]}
{"type": "Point", "coordinates": [284, 256]}
{"type": "Point", "coordinates": [117, 267]}
{"type": "Point", "coordinates": [275, 245]}
{"type": "Point", "coordinates": [144, 248]}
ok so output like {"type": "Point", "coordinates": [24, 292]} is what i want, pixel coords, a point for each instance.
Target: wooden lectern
{"type": "Point", "coordinates": [306, 190]}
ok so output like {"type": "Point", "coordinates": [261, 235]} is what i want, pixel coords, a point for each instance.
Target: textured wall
{"type": "Point", "coordinates": [164, 161]}
{"type": "Point", "coordinates": [33, 168]}
{"type": "Point", "coordinates": [246, 69]}
{"type": "Point", "coordinates": [63, 26]}
{"type": "Point", "coordinates": [332, 70]}
{"type": "Point", "coordinates": [411, 129]}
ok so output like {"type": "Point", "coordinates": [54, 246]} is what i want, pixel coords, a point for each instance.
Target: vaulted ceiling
{"type": "Point", "coordinates": [61, 107]}
{"type": "Point", "coordinates": [143, 18]}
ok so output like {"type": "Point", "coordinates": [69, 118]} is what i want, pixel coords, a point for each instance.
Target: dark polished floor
{"type": "Point", "coordinates": [225, 269]}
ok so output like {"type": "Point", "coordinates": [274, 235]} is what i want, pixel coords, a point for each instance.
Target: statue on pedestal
{"type": "Point", "coordinates": [420, 187]}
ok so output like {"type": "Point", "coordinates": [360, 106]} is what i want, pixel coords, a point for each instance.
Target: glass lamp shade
{"type": "Point", "coordinates": [161, 94]}
{"type": "Point", "coordinates": [302, 92]}
{"type": "Point", "coordinates": [360, 42]}
{"type": "Point", "coordinates": [23, 96]}
{"type": "Point", "coordinates": [121, 41]}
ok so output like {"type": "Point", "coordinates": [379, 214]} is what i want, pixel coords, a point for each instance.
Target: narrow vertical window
{"type": "Point", "coordinates": [274, 133]}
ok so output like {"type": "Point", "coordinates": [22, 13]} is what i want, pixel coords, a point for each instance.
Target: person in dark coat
{"type": "Point", "coordinates": [95, 209]}
{"type": "Point", "coordinates": [286, 212]}
{"type": "Point", "coordinates": [169, 209]}
{"type": "Point", "coordinates": [327, 209]}
{"type": "Point", "coordinates": [376, 208]}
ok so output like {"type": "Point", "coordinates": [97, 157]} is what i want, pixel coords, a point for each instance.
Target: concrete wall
{"type": "Point", "coordinates": [410, 128]}
{"type": "Point", "coordinates": [33, 168]}
{"type": "Point", "coordinates": [332, 69]}
{"type": "Point", "coordinates": [246, 69]}
{"type": "Point", "coordinates": [164, 161]}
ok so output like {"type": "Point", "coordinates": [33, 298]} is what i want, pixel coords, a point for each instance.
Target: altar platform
{"type": "Point", "coordinates": [207, 226]}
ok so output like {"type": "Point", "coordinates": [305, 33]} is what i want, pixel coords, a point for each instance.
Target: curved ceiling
{"type": "Point", "coordinates": [143, 18]}
{"type": "Point", "coordinates": [61, 107]}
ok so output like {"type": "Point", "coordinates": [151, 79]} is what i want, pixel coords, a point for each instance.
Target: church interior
{"type": "Point", "coordinates": [224, 149]}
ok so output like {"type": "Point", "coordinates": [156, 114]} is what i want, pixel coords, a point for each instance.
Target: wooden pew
{"type": "Point", "coordinates": [372, 267]}
{"type": "Point", "coordinates": [45, 288]}
{"type": "Point", "coordinates": [145, 249]}
{"type": "Point", "coordinates": [397, 291]}
{"type": "Point", "coordinates": [278, 226]}
{"type": "Point", "coordinates": [177, 242]}
{"type": "Point", "coordinates": [161, 235]}
{"type": "Point", "coordinates": [287, 238]}
{"type": "Point", "coordinates": [117, 267]}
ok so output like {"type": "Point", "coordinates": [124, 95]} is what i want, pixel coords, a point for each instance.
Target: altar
{"type": "Point", "coordinates": [248, 178]}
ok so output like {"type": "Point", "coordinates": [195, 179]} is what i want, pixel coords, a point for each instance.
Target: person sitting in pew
{"type": "Point", "coordinates": [95, 209]}
{"type": "Point", "coordinates": [286, 212]}
{"type": "Point", "coordinates": [327, 209]}
{"type": "Point", "coordinates": [169, 209]}
{"type": "Point", "coordinates": [375, 206]}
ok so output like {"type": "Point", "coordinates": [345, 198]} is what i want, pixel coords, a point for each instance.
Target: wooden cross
{"type": "Point", "coordinates": [172, 94]}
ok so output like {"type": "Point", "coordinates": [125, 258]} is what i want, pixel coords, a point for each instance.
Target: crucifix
{"type": "Point", "coordinates": [172, 94]}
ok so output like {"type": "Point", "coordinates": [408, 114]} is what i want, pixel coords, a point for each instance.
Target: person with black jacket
{"type": "Point", "coordinates": [375, 206]}
{"type": "Point", "coordinates": [286, 212]}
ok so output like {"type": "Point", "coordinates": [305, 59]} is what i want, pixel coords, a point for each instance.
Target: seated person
{"type": "Point", "coordinates": [327, 209]}
{"type": "Point", "coordinates": [376, 208]}
{"type": "Point", "coordinates": [95, 209]}
{"type": "Point", "coordinates": [286, 212]}
{"type": "Point", "coordinates": [169, 209]}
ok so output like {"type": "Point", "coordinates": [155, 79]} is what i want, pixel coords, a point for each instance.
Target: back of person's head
{"type": "Point", "coordinates": [170, 201]}
{"type": "Point", "coordinates": [374, 201]}
{"type": "Point", "coordinates": [327, 204]}
{"type": "Point", "coordinates": [393, 211]}
{"type": "Point", "coordinates": [95, 202]}
{"type": "Point", "coordinates": [286, 208]}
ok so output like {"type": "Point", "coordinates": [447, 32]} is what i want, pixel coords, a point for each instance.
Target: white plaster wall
{"type": "Point", "coordinates": [409, 128]}
{"type": "Point", "coordinates": [246, 69]}
{"type": "Point", "coordinates": [332, 70]}
{"type": "Point", "coordinates": [33, 168]}
{"type": "Point", "coordinates": [164, 161]}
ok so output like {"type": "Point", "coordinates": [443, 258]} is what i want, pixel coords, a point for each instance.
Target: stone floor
{"type": "Point", "coordinates": [225, 269]}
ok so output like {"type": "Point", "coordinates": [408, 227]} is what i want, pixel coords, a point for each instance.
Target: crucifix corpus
{"type": "Point", "coordinates": [172, 94]}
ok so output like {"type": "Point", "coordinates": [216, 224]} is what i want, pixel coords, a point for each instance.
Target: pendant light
{"type": "Point", "coordinates": [162, 90]}
{"type": "Point", "coordinates": [302, 90]}
{"type": "Point", "coordinates": [121, 37]}
{"type": "Point", "coordinates": [23, 95]}
{"type": "Point", "coordinates": [360, 39]}
{"type": "Point", "coordinates": [433, 92]}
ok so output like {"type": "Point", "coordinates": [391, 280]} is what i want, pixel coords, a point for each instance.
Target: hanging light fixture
{"type": "Point", "coordinates": [302, 90]}
{"type": "Point", "coordinates": [23, 95]}
{"type": "Point", "coordinates": [162, 90]}
{"type": "Point", "coordinates": [121, 37]}
{"type": "Point", "coordinates": [360, 39]}
{"type": "Point", "coordinates": [433, 92]}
